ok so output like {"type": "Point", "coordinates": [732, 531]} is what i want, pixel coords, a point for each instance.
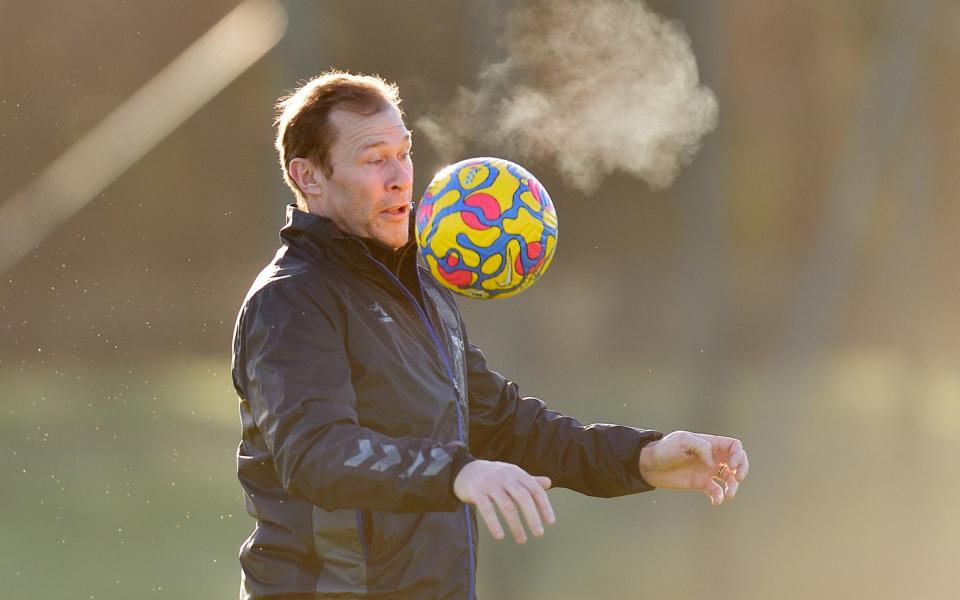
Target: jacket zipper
{"type": "Point", "coordinates": [460, 399]}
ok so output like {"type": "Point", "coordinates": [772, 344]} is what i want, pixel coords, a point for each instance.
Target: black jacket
{"type": "Point", "coordinates": [360, 399]}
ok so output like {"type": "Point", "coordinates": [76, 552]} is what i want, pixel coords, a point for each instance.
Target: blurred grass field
{"type": "Point", "coordinates": [120, 484]}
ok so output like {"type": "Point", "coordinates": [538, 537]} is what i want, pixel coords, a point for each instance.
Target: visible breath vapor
{"type": "Point", "coordinates": [597, 86]}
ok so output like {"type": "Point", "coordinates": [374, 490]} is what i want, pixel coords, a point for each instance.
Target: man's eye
{"type": "Point", "coordinates": [406, 155]}
{"type": "Point", "coordinates": [375, 161]}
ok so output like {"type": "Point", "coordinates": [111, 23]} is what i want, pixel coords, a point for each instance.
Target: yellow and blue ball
{"type": "Point", "coordinates": [486, 228]}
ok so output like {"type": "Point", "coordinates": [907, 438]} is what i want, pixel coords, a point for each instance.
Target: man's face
{"type": "Point", "coordinates": [369, 192]}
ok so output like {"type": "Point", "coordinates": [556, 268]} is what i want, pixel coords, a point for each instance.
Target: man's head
{"type": "Point", "coordinates": [345, 153]}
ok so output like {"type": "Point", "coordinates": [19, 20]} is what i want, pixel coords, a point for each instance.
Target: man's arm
{"type": "Point", "coordinates": [597, 460]}
{"type": "Point", "coordinates": [294, 372]}
{"type": "Point", "coordinates": [520, 435]}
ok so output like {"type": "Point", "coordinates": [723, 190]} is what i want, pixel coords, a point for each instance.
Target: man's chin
{"type": "Point", "coordinates": [402, 236]}
{"type": "Point", "coordinates": [393, 242]}
{"type": "Point", "coordinates": [392, 235]}
{"type": "Point", "coordinates": [400, 243]}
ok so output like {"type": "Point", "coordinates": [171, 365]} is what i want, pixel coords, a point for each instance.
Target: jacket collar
{"type": "Point", "coordinates": [316, 234]}
{"type": "Point", "coordinates": [301, 224]}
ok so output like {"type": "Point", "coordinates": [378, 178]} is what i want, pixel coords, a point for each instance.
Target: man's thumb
{"type": "Point", "coordinates": [544, 482]}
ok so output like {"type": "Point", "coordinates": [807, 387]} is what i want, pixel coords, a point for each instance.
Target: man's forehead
{"type": "Point", "coordinates": [361, 131]}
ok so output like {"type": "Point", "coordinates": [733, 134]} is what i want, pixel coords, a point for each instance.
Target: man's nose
{"type": "Point", "coordinates": [401, 178]}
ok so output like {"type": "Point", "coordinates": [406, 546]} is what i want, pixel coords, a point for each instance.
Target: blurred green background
{"type": "Point", "coordinates": [797, 287]}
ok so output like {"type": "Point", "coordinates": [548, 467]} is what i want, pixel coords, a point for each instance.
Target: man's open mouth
{"type": "Point", "coordinates": [396, 211]}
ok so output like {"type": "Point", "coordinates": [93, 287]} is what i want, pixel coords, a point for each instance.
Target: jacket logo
{"type": "Point", "coordinates": [388, 456]}
{"type": "Point", "coordinates": [381, 314]}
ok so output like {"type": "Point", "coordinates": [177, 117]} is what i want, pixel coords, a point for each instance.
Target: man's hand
{"type": "Point", "coordinates": [512, 490]}
{"type": "Point", "coordinates": [695, 461]}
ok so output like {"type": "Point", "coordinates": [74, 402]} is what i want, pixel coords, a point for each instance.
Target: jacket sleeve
{"type": "Point", "coordinates": [295, 373]}
{"type": "Point", "coordinates": [596, 460]}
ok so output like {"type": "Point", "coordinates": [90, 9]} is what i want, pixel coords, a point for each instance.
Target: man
{"type": "Point", "coordinates": [373, 431]}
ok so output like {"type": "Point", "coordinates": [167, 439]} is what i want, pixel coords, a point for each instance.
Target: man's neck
{"type": "Point", "coordinates": [388, 257]}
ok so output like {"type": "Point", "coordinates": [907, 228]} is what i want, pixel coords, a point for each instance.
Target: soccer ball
{"type": "Point", "coordinates": [486, 228]}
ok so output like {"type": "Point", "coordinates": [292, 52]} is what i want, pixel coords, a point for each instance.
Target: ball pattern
{"type": "Point", "coordinates": [486, 228]}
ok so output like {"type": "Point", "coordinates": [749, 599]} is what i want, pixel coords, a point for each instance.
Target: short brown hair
{"type": "Point", "coordinates": [303, 122]}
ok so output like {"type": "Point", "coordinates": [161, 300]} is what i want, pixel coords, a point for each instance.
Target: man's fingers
{"type": "Point", "coordinates": [543, 501]}
{"type": "Point", "coordinates": [714, 491]}
{"type": "Point", "coordinates": [732, 486]}
{"type": "Point", "coordinates": [521, 495]}
{"type": "Point", "coordinates": [729, 483]}
{"type": "Point", "coordinates": [502, 490]}
{"type": "Point", "coordinates": [509, 511]}
{"type": "Point", "coordinates": [486, 510]}
{"type": "Point", "coordinates": [739, 464]}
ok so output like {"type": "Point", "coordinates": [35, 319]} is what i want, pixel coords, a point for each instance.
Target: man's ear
{"type": "Point", "coordinates": [308, 177]}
